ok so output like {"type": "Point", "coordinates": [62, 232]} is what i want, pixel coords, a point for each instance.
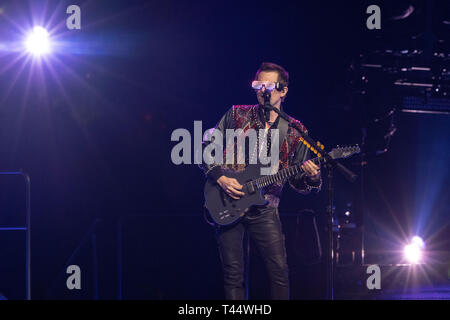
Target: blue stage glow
{"type": "Point", "coordinates": [432, 174]}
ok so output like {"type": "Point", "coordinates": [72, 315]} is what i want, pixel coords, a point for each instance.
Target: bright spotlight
{"type": "Point", "coordinates": [418, 241]}
{"type": "Point", "coordinates": [413, 251]}
{"type": "Point", "coordinates": [38, 42]}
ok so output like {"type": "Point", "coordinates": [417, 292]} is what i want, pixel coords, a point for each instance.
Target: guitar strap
{"type": "Point", "coordinates": [283, 127]}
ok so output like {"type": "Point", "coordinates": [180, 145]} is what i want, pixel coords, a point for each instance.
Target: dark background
{"type": "Point", "coordinates": [91, 125]}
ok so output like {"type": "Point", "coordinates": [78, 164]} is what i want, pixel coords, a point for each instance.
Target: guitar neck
{"type": "Point", "coordinates": [281, 175]}
{"type": "Point", "coordinates": [336, 153]}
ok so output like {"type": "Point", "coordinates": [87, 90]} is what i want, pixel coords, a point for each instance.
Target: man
{"type": "Point", "coordinates": [262, 223]}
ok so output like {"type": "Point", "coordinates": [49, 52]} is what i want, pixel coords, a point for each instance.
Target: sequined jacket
{"type": "Point", "coordinates": [292, 151]}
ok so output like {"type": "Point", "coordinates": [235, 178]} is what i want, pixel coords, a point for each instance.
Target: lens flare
{"type": "Point", "coordinates": [418, 242]}
{"type": "Point", "coordinates": [413, 251]}
{"type": "Point", "coordinates": [38, 42]}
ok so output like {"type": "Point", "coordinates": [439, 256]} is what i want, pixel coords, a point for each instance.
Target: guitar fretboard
{"type": "Point", "coordinates": [281, 175]}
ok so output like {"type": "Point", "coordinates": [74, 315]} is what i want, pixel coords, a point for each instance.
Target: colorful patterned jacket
{"type": "Point", "coordinates": [292, 151]}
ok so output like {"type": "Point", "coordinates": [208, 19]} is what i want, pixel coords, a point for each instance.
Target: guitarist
{"type": "Point", "coordinates": [262, 223]}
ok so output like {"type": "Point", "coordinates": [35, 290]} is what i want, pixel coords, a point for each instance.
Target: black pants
{"type": "Point", "coordinates": [264, 228]}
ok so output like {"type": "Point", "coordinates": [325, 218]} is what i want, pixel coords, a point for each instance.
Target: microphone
{"type": "Point", "coordinates": [266, 96]}
{"type": "Point", "coordinates": [267, 107]}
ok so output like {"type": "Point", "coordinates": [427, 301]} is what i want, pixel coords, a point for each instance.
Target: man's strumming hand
{"type": "Point", "coordinates": [231, 187]}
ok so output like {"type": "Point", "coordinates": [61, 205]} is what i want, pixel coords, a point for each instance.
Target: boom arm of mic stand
{"type": "Point", "coordinates": [349, 175]}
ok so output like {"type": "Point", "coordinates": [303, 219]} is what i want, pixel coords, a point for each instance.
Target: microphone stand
{"type": "Point", "coordinates": [267, 106]}
{"type": "Point", "coordinates": [330, 164]}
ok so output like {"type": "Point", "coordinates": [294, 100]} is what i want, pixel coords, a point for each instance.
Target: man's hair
{"type": "Point", "coordinates": [283, 75]}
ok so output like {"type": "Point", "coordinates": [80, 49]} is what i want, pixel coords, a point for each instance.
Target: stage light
{"type": "Point", "coordinates": [38, 42]}
{"type": "Point", "coordinates": [413, 251]}
{"type": "Point", "coordinates": [418, 241]}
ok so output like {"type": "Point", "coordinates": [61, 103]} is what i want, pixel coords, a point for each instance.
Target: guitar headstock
{"type": "Point", "coordinates": [344, 152]}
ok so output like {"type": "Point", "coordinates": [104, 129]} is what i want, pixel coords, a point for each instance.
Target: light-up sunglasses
{"type": "Point", "coordinates": [269, 85]}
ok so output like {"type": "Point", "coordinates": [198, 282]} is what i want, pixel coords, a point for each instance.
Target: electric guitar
{"type": "Point", "coordinates": [225, 210]}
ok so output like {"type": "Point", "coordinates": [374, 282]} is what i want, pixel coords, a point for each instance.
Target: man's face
{"type": "Point", "coordinates": [275, 97]}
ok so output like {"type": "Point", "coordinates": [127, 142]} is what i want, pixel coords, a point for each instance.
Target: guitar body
{"type": "Point", "coordinates": [225, 210]}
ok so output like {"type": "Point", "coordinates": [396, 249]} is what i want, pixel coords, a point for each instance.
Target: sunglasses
{"type": "Point", "coordinates": [269, 85]}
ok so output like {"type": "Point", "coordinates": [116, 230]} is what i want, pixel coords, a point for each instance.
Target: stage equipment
{"type": "Point", "coordinates": [318, 148]}
{"type": "Point", "coordinates": [24, 228]}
